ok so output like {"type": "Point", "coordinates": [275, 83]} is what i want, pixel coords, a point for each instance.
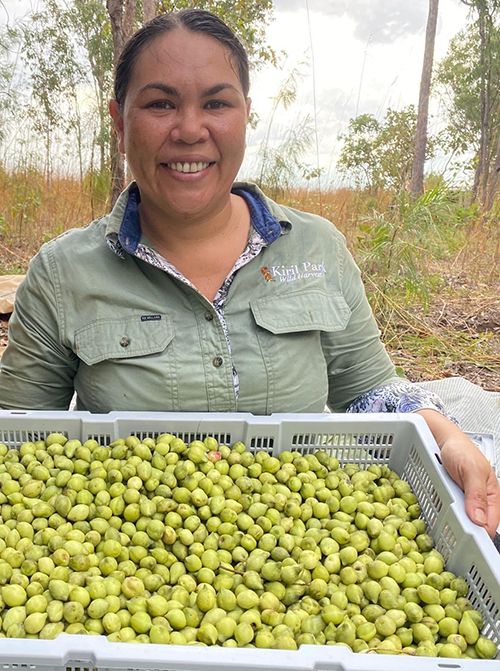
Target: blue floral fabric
{"type": "Point", "coordinates": [401, 396]}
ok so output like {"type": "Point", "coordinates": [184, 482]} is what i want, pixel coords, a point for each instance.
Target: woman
{"type": "Point", "coordinates": [198, 294]}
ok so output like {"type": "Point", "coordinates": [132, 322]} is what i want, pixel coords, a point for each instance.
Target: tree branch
{"type": "Point", "coordinates": [149, 8]}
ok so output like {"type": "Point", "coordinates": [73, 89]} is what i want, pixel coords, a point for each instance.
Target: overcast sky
{"type": "Point", "coordinates": [367, 56]}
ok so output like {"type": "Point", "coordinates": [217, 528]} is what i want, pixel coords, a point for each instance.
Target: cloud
{"type": "Point", "coordinates": [381, 21]}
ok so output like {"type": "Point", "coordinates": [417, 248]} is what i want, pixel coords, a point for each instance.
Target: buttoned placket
{"type": "Point", "coordinates": [219, 358]}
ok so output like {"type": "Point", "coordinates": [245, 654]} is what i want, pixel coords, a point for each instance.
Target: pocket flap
{"type": "Point", "coordinates": [123, 338]}
{"type": "Point", "coordinates": [311, 310]}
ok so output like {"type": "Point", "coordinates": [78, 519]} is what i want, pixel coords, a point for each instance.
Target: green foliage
{"type": "Point", "coordinates": [97, 184]}
{"type": "Point", "coordinates": [357, 158]}
{"type": "Point", "coordinates": [90, 23]}
{"type": "Point", "coordinates": [395, 246]}
{"type": "Point", "coordinates": [379, 154]}
{"type": "Point", "coordinates": [8, 95]}
{"type": "Point", "coordinates": [49, 52]}
{"type": "Point", "coordinates": [248, 18]}
{"type": "Point", "coordinates": [21, 211]}
{"type": "Point", "coordinates": [458, 79]}
{"type": "Point", "coordinates": [280, 165]}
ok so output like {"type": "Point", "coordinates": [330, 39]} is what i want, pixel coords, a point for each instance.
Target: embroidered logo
{"type": "Point", "coordinates": [150, 318]}
{"type": "Point", "coordinates": [265, 271]}
{"type": "Point", "coordinates": [296, 271]}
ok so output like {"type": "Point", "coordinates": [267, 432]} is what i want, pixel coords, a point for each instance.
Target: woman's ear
{"type": "Point", "coordinates": [117, 116]}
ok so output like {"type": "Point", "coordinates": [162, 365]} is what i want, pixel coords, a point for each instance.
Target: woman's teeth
{"type": "Point", "coordinates": [188, 167]}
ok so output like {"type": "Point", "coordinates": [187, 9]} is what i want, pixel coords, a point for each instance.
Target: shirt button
{"type": "Point", "coordinates": [209, 316]}
{"type": "Point", "coordinates": [218, 361]}
{"type": "Point", "coordinates": [125, 342]}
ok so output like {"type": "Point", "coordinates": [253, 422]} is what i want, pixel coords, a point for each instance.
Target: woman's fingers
{"type": "Point", "coordinates": [472, 472]}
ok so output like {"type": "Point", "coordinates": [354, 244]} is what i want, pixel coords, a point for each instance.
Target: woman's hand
{"type": "Point", "coordinates": [472, 472]}
{"type": "Point", "coordinates": [470, 469]}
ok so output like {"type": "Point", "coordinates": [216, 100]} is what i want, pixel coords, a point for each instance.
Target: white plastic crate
{"type": "Point", "coordinates": [402, 441]}
{"type": "Point", "coordinates": [486, 443]}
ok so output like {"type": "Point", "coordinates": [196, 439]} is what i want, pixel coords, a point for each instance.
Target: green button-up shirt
{"type": "Point", "coordinates": [126, 335]}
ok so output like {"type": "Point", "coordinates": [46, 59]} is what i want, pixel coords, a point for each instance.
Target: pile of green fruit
{"type": "Point", "coordinates": [202, 544]}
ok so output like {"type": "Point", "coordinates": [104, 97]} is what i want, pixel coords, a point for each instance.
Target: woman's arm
{"type": "Point", "coordinates": [37, 370]}
{"type": "Point", "coordinates": [470, 470]}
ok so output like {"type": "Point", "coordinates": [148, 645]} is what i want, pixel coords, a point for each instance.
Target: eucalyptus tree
{"type": "Point", "coordinates": [417, 176]}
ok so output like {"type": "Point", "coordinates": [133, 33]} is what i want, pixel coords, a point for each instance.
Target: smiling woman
{"type": "Point", "coordinates": [181, 122]}
{"type": "Point", "coordinates": [198, 293]}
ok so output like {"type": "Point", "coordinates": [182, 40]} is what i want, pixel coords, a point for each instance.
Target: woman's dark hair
{"type": "Point", "coordinates": [194, 20]}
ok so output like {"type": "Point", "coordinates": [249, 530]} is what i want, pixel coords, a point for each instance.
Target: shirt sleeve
{"type": "Point", "coordinates": [357, 361]}
{"type": "Point", "coordinates": [36, 369]}
{"type": "Point", "coordinates": [400, 396]}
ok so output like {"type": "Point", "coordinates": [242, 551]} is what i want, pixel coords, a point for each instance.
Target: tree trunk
{"type": "Point", "coordinates": [483, 142]}
{"type": "Point", "coordinates": [122, 21]}
{"type": "Point", "coordinates": [488, 149]}
{"type": "Point", "coordinates": [117, 168]}
{"type": "Point", "coordinates": [149, 9]}
{"type": "Point", "coordinates": [417, 174]}
{"type": "Point", "coordinates": [493, 181]}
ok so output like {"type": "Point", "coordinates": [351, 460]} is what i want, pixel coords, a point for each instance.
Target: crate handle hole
{"type": "Point", "coordinates": [449, 666]}
{"type": "Point", "coordinates": [438, 459]}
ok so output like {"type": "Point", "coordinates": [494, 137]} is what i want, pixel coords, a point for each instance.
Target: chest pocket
{"type": "Point", "coordinates": [289, 331]}
{"type": "Point", "coordinates": [126, 338]}
{"type": "Point", "coordinates": [311, 310]}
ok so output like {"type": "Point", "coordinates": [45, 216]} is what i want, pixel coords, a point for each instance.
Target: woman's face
{"type": "Point", "coordinates": [183, 125]}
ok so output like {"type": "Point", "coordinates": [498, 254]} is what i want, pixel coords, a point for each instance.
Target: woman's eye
{"type": "Point", "coordinates": [160, 104]}
{"type": "Point", "coordinates": [216, 104]}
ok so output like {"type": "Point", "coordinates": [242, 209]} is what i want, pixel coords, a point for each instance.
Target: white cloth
{"type": "Point", "coordinates": [477, 410]}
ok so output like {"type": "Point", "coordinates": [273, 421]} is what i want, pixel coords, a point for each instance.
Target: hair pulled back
{"type": "Point", "coordinates": [194, 20]}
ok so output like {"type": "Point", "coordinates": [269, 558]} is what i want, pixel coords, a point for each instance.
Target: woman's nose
{"type": "Point", "coordinates": [189, 127]}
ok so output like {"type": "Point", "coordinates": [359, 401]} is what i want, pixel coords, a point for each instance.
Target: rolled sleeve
{"type": "Point", "coordinates": [356, 358]}
{"type": "Point", "coordinates": [37, 370]}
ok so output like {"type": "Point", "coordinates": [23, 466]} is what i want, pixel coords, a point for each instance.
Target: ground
{"type": "Point", "coordinates": [458, 335]}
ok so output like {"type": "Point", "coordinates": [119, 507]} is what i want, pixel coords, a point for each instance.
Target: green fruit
{"type": "Point", "coordinates": [176, 618]}
{"type": "Point", "coordinates": [159, 541]}
{"type": "Point", "coordinates": [159, 634]}
{"type": "Point", "coordinates": [141, 622]}
{"type": "Point", "coordinates": [485, 648]}
{"type": "Point", "coordinates": [73, 612]}
{"type": "Point", "coordinates": [468, 629]}
{"type": "Point", "coordinates": [243, 634]}
{"type": "Point", "coordinates": [14, 595]}
{"type": "Point", "coordinates": [450, 650]}
{"type": "Point", "coordinates": [448, 626]}
{"type": "Point", "coordinates": [428, 594]}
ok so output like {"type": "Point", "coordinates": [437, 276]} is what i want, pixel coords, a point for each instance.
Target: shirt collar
{"type": "Point", "coordinates": [123, 225]}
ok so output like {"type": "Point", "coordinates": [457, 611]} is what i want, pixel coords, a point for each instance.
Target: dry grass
{"type": "Point", "coordinates": [31, 214]}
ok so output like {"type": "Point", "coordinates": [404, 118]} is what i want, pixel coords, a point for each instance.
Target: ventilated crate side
{"type": "Point", "coordinates": [467, 556]}
{"type": "Point", "coordinates": [256, 433]}
{"type": "Point", "coordinates": [65, 654]}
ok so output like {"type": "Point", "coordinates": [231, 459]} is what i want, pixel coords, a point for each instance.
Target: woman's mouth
{"type": "Point", "coordinates": [188, 167]}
